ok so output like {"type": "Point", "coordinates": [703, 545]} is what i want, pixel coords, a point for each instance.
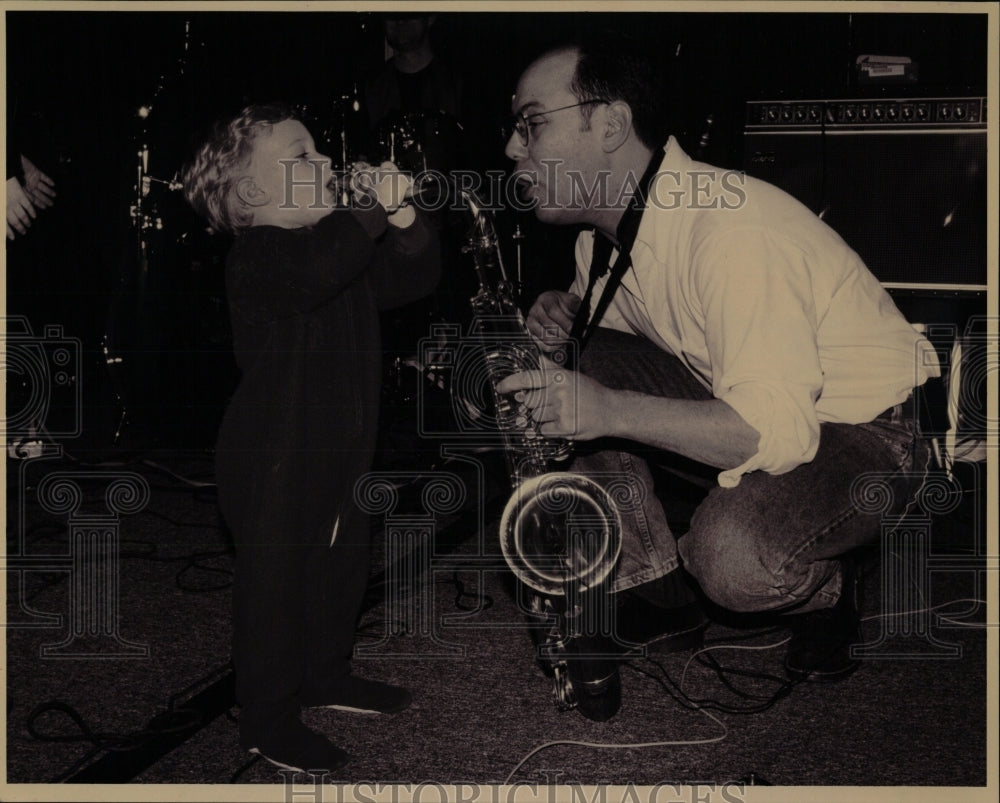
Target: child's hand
{"type": "Point", "coordinates": [388, 186]}
{"type": "Point", "coordinates": [403, 217]}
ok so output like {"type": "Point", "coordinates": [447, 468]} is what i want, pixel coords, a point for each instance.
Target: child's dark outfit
{"type": "Point", "coordinates": [298, 433]}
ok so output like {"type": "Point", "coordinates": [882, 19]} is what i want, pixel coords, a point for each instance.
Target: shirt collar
{"type": "Point", "coordinates": [675, 162]}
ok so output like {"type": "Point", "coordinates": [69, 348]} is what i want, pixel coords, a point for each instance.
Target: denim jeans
{"type": "Point", "coordinates": [772, 543]}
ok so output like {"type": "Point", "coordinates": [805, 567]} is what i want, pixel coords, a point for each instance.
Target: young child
{"type": "Point", "coordinates": [304, 282]}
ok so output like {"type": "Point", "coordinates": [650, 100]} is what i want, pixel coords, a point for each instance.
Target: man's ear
{"type": "Point", "coordinates": [618, 125]}
{"type": "Point", "coordinates": [249, 193]}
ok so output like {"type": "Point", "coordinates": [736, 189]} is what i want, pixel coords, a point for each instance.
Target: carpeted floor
{"type": "Point", "coordinates": [914, 715]}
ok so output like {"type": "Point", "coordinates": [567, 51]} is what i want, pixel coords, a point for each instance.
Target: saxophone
{"type": "Point", "coordinates": [560, 532]}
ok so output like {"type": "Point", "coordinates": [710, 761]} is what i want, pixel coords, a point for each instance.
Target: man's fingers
{"type": "Point", "coordinates": [20, 215]}
{"type": "Point", "coordinates": [570, 305]}
{"type": "Point", "coordinates": [523, 380]}
{"type": "Point", "coordinates": [558, 312]}
{"type": "Point", "coordinates": [548, 332]}
{"type": "Point", "coordinates": [46, 188]}
{"type": "Point", "coordinates": [41, 200]}
{"type": "Point", "coordinates": [24, 210]}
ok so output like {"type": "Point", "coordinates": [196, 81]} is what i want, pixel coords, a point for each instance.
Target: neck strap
{"type": "Point", "coordinates": [628, 227]}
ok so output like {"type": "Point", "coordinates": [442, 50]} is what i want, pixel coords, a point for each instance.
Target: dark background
{"type": "Point", "coordinates": [76, 82]}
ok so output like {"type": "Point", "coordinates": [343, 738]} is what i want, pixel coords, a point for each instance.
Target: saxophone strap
{"type": "Point", "coordinates": [628, 228]}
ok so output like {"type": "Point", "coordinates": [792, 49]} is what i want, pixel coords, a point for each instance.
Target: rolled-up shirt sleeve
{"type": "Point", "coordinates": [760, 330]}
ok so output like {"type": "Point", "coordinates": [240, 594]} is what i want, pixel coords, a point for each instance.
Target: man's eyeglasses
{"type": "Point", "coordinates": [520, 124]}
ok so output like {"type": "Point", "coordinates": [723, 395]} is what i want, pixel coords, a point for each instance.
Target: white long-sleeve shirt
{"type": "Point", "coordinates": [766, 305]}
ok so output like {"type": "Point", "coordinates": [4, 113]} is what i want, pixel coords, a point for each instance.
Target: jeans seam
{"type": "Point", "coordinates": [850, 513]}
{"type": "Point", "coordinates": [648, 572]}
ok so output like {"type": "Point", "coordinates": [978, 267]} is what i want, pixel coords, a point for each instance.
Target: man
{"type": "Point", "coordinates": [416, 92]}
{"type": "Point", "coordinates": [414, 104]}
{"type": "Point", "coordinates": [744, 335]}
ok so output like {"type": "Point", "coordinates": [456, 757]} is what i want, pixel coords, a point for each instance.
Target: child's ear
{"type": "Point", "coordinates": [250, 194]}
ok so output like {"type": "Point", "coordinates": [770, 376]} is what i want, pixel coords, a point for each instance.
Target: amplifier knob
{"type": "Point", "coordinates": [945, 111]}
{"type": "Point", "coordinates": [959, 111]}
{"type": "Point", "coordinates": [893, 112]}
{"type": "Point", "coordinates": [879, 111]}
{"type": "Point", "coordinates": [907, 112]}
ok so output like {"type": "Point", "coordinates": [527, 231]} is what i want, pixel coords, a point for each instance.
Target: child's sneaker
{"type": "Point", "coordinates": [351, 693]}
{"type": "Point", "coordinates": [293, 746]}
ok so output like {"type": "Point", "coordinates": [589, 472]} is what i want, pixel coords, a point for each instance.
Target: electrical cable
{"type": "Point", "coordinates": [173, 719]}
{"type": "Point", "coordinates": [194, 562]}
{"type": "Point", "coordinates": [197, 484]}
{"type": "Point", "coordinates": [485, 599]}
{"type": "Point", "coordinates": [707, 660]}
{"type": "Point", "coordinates": [745, 647]}
{"type": "Point", "coordinates": [179, 477]}
{"type": "Point", "coordinates": [625, 746]}
{"type": "Point", "coordinates": [102, 742]}
{"type": "Point", "coordinates": [935, 608]}
{"type": "Point", "coordinates": [704, 706]}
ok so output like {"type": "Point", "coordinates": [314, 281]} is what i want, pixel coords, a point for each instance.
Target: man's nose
{"type": "Point", "coordinates": [515, 148]}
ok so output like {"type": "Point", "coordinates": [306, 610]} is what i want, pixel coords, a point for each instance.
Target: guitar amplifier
{"type": "Point", "coordinates": [903, 181]}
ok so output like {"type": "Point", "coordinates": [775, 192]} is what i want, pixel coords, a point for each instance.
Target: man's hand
{"type": "Point", "coordinates": [565, 403]}
{"type": "Point", "coordinates": [20, 212]}
{"type": "Point", "coordinates": [550, 319]}
{"type": "Point", "coordinates": [38, 192]}
{"type": "Point", "coordinates": [40, 189]}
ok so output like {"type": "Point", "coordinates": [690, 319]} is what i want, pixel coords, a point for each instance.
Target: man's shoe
{"type": "Point", "coordinates": [820, 647]}
{"type": "Point", "coordinates": [292, 746]}
{"type": "Point", "coordinates": [350, 693]}
{"type": "Point", "coordinates": [642, 624]}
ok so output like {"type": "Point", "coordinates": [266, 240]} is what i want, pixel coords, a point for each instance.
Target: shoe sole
{"type": "Point", "coordinates": [816, 676]}
{"type": "Point", "coordinates": [274, 761]}
{"type": "Point", "coordinates": [291, 768]}
{"type": "Point", "coordinates": [672, 642]}
{"type": "Point", "coordinates": [284, 766]}
{"type": "Point", "coordinates": [353, 710]}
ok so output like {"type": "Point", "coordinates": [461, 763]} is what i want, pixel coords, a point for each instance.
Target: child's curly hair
{"type": "Point", "coordinates": [209, 180]}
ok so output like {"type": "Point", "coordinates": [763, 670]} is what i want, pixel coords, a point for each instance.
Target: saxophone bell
{"type": "Point", "coordinates": [560, 528]}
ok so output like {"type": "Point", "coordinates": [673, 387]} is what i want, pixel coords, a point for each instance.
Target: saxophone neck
{"type": "Point", "coordinates": [482, 243]}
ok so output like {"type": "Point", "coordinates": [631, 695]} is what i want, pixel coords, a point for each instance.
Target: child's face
{"type": "Point", "coordinates": [290, 176]}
